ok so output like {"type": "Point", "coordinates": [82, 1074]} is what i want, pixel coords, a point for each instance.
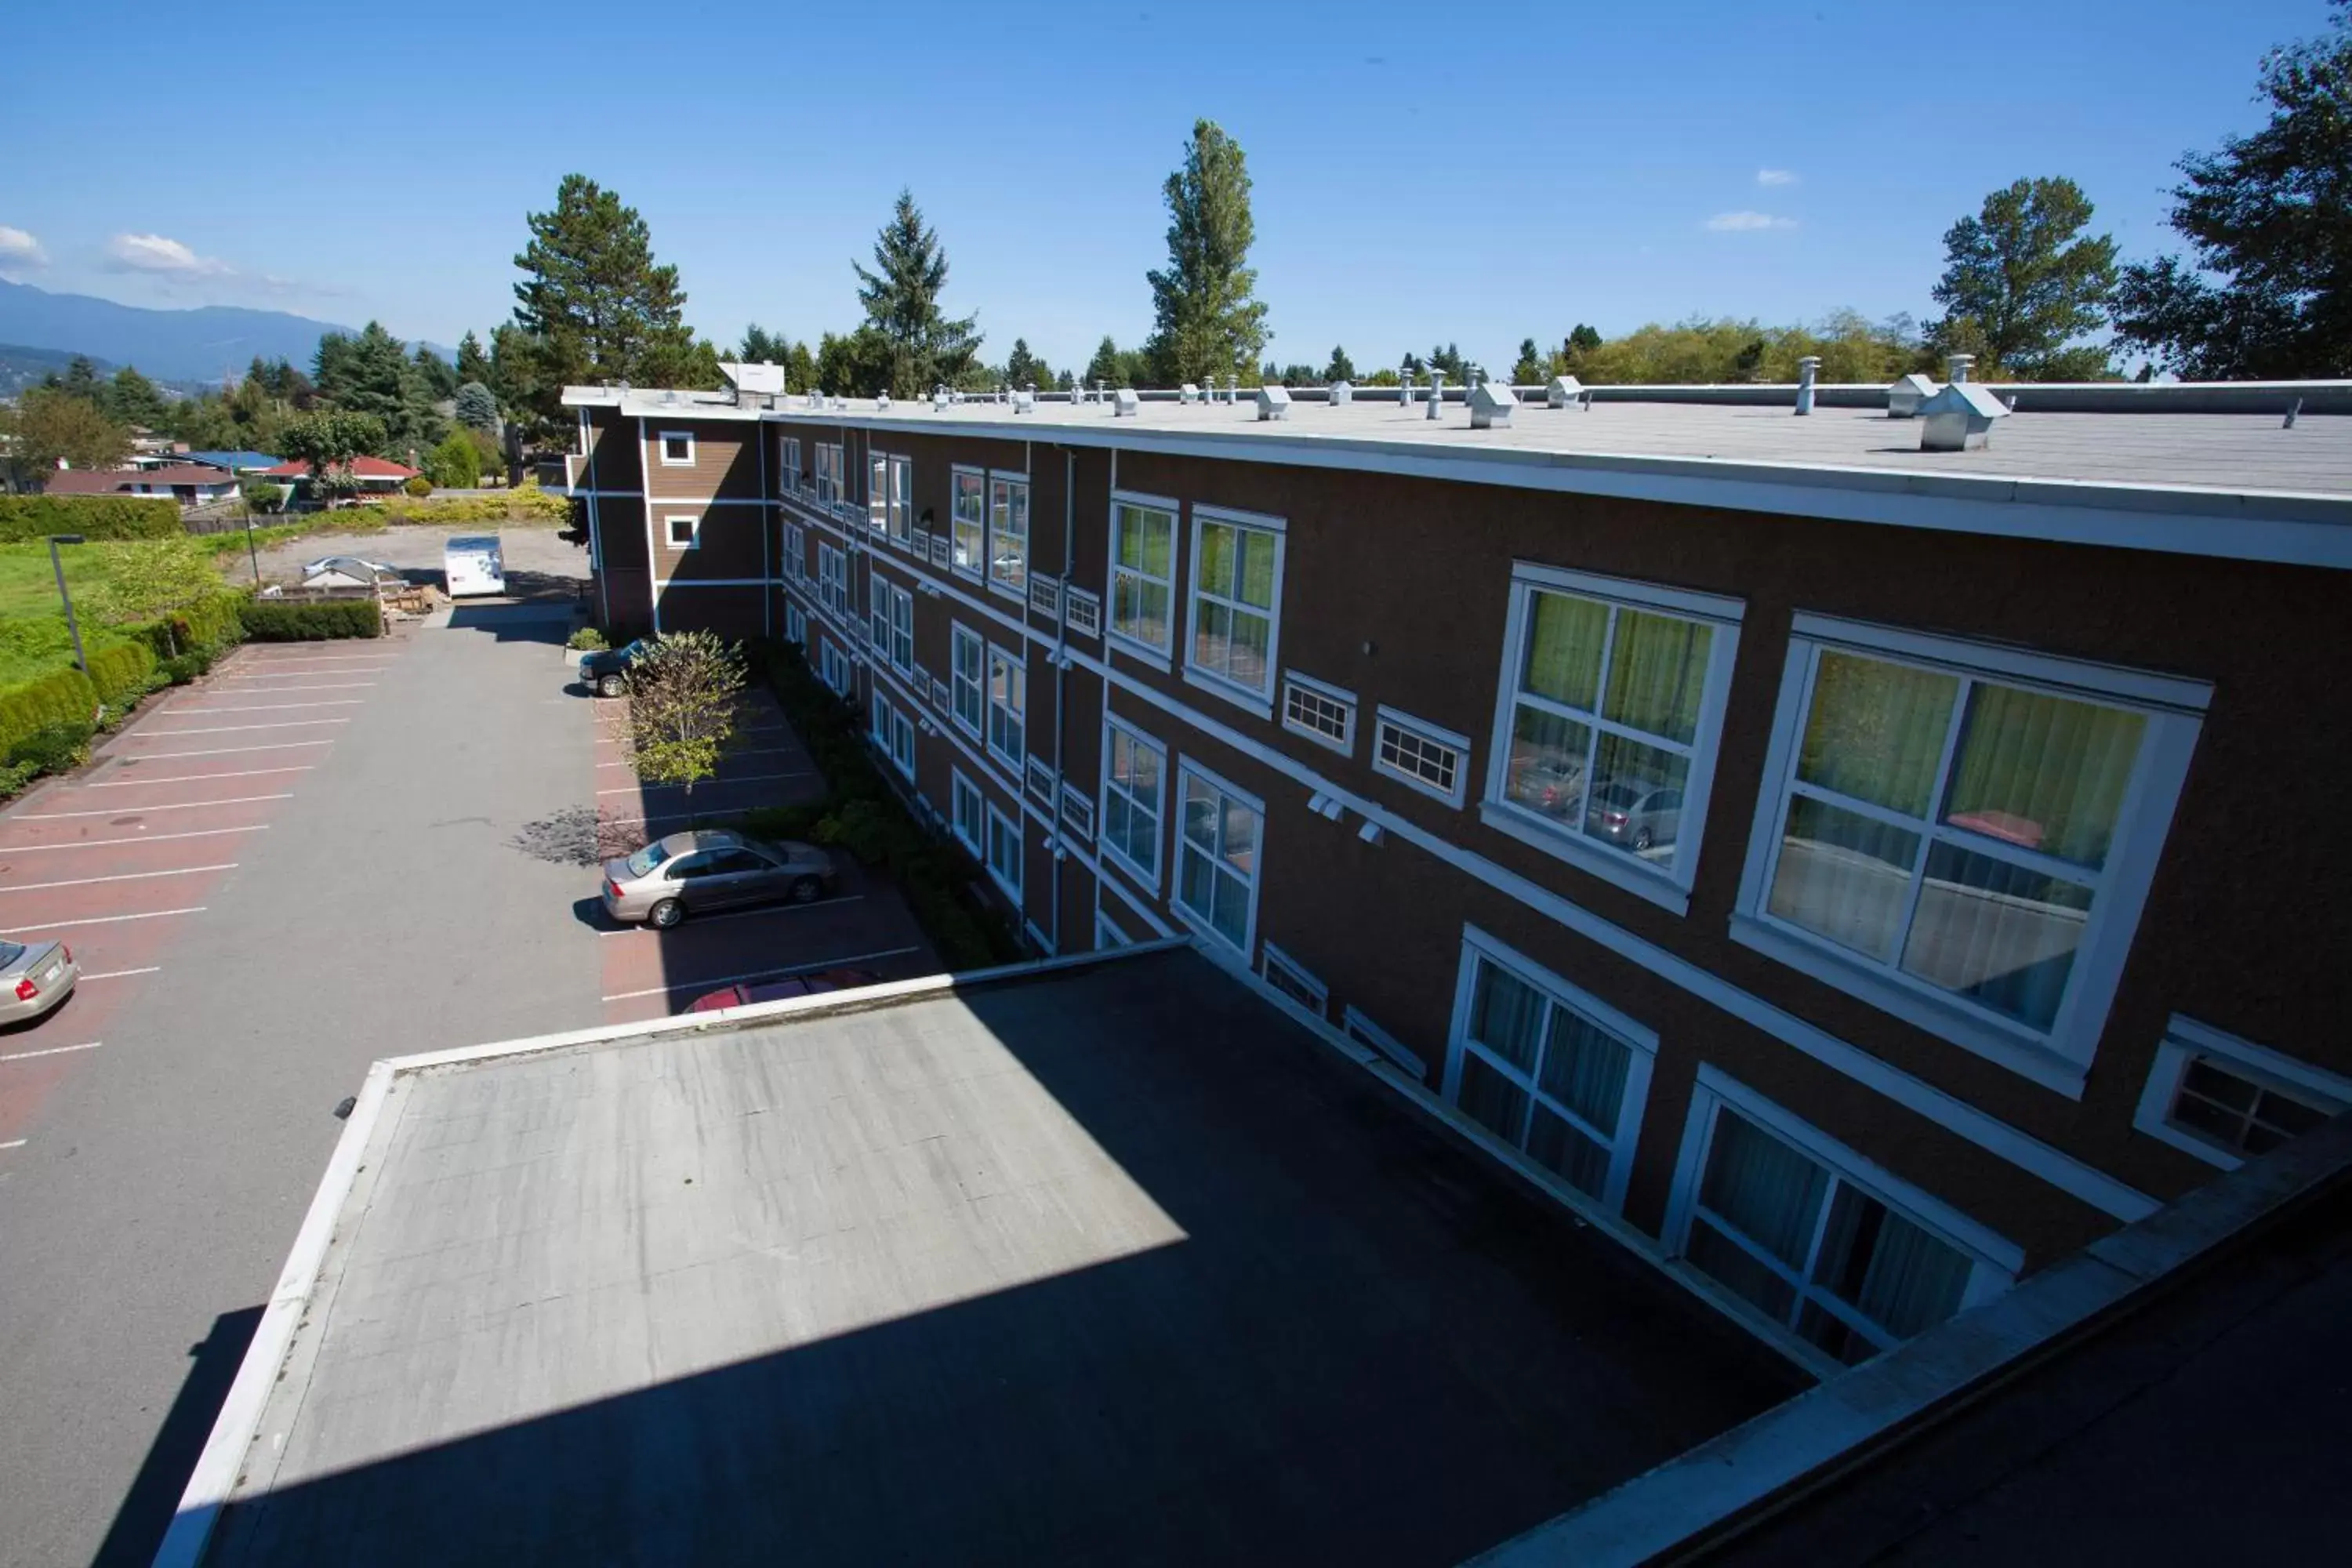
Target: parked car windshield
{"type": "Point", "coordinates": [10, 953]}
{"type": "Point", "coordinates": [643, 862]}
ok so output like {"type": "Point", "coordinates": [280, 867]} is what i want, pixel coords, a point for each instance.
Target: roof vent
{"type": "Point", "coordinates": [1343, 393]}
{"type": "Point", "coordinates": [816, 398]}
{"type": "Point", "coordinates": [669, 399]}
{"type": "Point", "coordinates": [1807, 369]}
{"type": "Point", "coordinates": [939, 398]}
{"type": "Point", "coordinates": [1567, 392]}
{"type": "Point", "coordinates": [882, 402]}
{"type": "Point", "coordinates": [1904, 399]}
{"type": "Point", "coordinates": [1025, 402]}
{"type": "Point", "coordinates": [1188, 393]}
{"type": "Point", "coordinates": [1490, 406]}
{"type": "Point", "coordinates": [1128, 405]}
{"type": "Point", "coordinates": [1436, 391]}
{"type": "Point", "coordinates": [1958, 366]}
{"type": "Point", "coordinates": [1273, 402]}
{"type": "Point", "coordinates": [753, 383]}
{"type": "Point", "coordinates": [1958, 417]}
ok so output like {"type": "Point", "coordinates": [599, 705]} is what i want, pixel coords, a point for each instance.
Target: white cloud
{"type": "Point", "coordinates": [1745, 222]}
{"type": "Point", "coordinates": [18, 248]}
{"type": "Point", "coordinates": [1776, 176]}
{"type": "Point", "coordinates": [154, 253]}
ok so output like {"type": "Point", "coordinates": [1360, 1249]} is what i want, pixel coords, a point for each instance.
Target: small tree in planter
{"type": "Point", "coordinates": [684, 693]}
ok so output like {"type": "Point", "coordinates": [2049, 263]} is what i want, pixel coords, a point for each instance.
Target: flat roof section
{"type": "Point", "coordinates": [1109, 1262]}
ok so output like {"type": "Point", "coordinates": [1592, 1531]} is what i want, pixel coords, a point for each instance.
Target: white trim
{"type": "Point", "coordinates": [1256, 699]}
{"type": "Point", "coordinates": [1186, 767]}
{"type": "Point", "coordinates": [1014, 664]}
{"type": "Point", "coordinates": [2185, 1039]}
{"type": "Point", "coordinates": [2107, 682]}
{"type": "Point", "coordinates": [693, 522]}
{"type": "Point", "coordinates": [1159, 657]}
{"type": "Point", "coordinates": [1149, 881]}
{"type": "Point", "coordinates": [959, 782]}
{"type": "Point", "coordinates": [1271, 958]}
{"type": "Point", "coordinates": [1012, 825]}
{"type": "Point", "coordinates": [1105, 924]}
{"type": "Point", "coordinates": [706, 501]}
{"type": "Point", "coordinates": [1688, 602]}
{"type": "Point", "coordinates": [1421, 728]}
{"type": "Point", "coordinates": [1337, 696]}
{"type": "Point", "coordinates": [662, 445]}
{"type": "Point", "coordinates": [1357, 1026]}
{"type": "Point", "coordinates": [1019, 594]}
{"type": "Point", "coordinates": [958, 635]}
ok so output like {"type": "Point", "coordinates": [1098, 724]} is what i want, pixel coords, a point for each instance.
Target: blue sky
{"type": "Point", "coordinates": [1432, 170]}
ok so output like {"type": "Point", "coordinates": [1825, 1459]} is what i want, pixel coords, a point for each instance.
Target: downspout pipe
{"type": "Point", "coordinates": [1062, 676]}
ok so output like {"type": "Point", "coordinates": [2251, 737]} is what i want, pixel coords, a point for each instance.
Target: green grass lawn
{"type": "Point", "coordinates": [33, 635]}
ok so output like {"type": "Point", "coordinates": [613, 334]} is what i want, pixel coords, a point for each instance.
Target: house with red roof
{"type": "Point", "coordinates": [374, 476]}
{"type": "Point", "coordinates": [190, 484]}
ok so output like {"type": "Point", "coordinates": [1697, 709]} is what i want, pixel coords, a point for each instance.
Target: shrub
{"type": "Point", "coordinates": [63, 698]}
{"type": "Point", "coordinates": [588, 639]}
{"type": "Point", "coordinates": [208, 625]}
{"type": "Point", "coordinates": [418, 486]}
{"type": "Point", "coordinates": [525, 503]}
{"type": "Point", "coordinates": [188, 666]}
{"type": "Point", "coordinates": [781, 822]}
{"type": "Point", "coordinates": [14, 777]}
{"type": "Point", "coordinates": [122, 672]}
{"type": "Point", "coordinates": [32, 518]}
{"type": "Point", "coordinates": [272, 620]}
{"type": "Point", "coordinates": [52, 748]}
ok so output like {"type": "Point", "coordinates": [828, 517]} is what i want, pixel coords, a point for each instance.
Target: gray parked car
{"type": "Point", "coordinates": [1636, 816]}
{"type": "Point", "coordinates": [35, 978]}
{"type": "Point", "coordinates": [693, 873]}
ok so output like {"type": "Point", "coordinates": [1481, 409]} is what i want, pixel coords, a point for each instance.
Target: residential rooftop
{"type": "Point", "coordinates": [1106, 1260]}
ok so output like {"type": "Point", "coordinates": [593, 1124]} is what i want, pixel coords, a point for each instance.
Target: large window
{"type": "Point", "coordinates": [829, 474]}
{"type": "Point", "coordinates": [968, 663]}
{"type": "Point", "coordinates": [788, 464]}
{"type": "Point", "coordinates": [898, 630]}
{"type": "Point", "coordinates": [795, 553]}
{"type": "Point", "coordinates": [1961, 834]}
{"type": "Point", "coordinates": [1217, 856]}
{"type": "Point", "coordinates": [1008, 535]}
{"type": "Point", "coordinates": [795, 625]}
{"type": "Point", "coordinates": [1236, 592]}
{"type": "Point", "coordinates": [834, 667]}
{"type": "Point", "coordinates": [1008, 706]}
{"type": "Point", "coordinates": [1813, 1238]}
{"type": "Point", "coordinates": [833, 579]}
{"type": "Point", "coordinates": [1134, 769]}
{"type": "Point", "coordinates": [971, 544]}
{"type": "Point", "coordinates": [1548, 1069]}
{"type": "Point", "coordinates": [1604, 736]}
{"type": "Point", "coordinates": [878, 490]}
{"type": "Point", "coordinates": [969, 814]}
{"type": "Point", "coordinates": [1004, 852]}
{"type": "Point", "coordinates": [1142, 573]}
{"type": "Point", "coordinates": [889, 482]}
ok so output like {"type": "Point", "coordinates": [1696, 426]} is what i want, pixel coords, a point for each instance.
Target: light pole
{"type": "Point", "coordinates": [57, 563]}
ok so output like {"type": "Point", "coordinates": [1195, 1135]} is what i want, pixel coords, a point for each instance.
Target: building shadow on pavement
{"type": "Point", "coordinates": [545, 621]}
{"type": "Point", "coordinates": [147, 1508]}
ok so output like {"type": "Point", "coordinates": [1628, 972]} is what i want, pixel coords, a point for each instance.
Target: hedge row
{"type": "Point", "coordinates": [525, 503]}
{"type": "Point", "coordinates": [207, 625]}
{"type": "Point", "coordinates": [122, 673]}
{"type": "Point", "coordinates": [269, 620]}
{"type": "Point", "coordinates": [25, 518]}
{"type": "Point", "coordinates": [63, 699]}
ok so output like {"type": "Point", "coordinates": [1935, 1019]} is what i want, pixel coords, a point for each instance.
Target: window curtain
{"type": "Point", "coordinates": [1913, 1281]}
{"type": "Point", "coordinates": [1657, 672]}
{"type": "Point", "coordinates": [1765, 1190]}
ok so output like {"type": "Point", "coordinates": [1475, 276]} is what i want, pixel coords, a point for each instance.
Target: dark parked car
{"type": "Point", "coordinates": [606, 669]}
{"type": "Point", "coordinates": [778, 989]}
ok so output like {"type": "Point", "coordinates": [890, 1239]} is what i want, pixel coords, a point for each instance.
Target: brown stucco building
{"type": "Point", "coordinates": [1856, 876]}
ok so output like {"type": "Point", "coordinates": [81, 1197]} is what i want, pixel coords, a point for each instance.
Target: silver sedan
{"type": "Point", "coordinates": [693, 873]}
{"type": "Point", "coordinates": [35, 978]}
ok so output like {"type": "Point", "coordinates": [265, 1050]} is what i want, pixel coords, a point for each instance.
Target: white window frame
{"type": "Point", "coordinates": [693, 522]}
{"type": "Point", "coordinates": [1667, 885]}
{"type": "Point", "coordinates": [1996, 1260]}
{"type": "Point", "coordinates": [831, 468]}
{"type": "Point", "coordinates": [661, 449]}
{"type": "Point", "coordinates": [1271, 958]}
{"type": "Point", "coordinates": [831, 658]}
{"type": "Point", "coordinates": [899, 504]}
{"type": "Point", "coordinates": [899, 626]}
{"type": "Point", "coordinates": [1011, 825]}
{"type": "Point", "coordinates": [960, 638]}
{"type": "Point", "coordinates": [997, 583]}
{"type": "Point", "coordinates": [1146, 879]}
{"type": "Point", "coordinates": [2186, 1039]}
{"type": "Point", "coordinates": [795, 553]}
{"type": "Point", "coordinates": [1361, 1029]}
{"type": "Point", "coordinates": [957, 523]}
{"type": "Point", "coordinates": [1157, 655]}
{"type": "Point", "coordinates": [833, 578]}
{"type": "Point", "coordinates": [1106, 927]}
{"type": "Point", "coordinates": [1201, 925]}
{"type": "Point", "coordinates": [1624, 1141]}
{"type": "Point", "coordinates": [1258, 700]}
{"type": "Point", "coordinates": [878, 489]}
{"type": "Point", "coordinates": [1422, 730]}
{"type": "Point", "coordinates": [788, 464]}
{"type": "Point", "coordinates": [902, 743]}
{"type": "Point", "coordinates": [2060, 1059]}
{"type": "Point", "coordinates": [1016, 666]}
{"type": "Point", "coordinates": [795, 625]}
{"type": "Point", "coordinates": [1077, 810]}
{"type": "Point", "coordinates": [1339, 697]}
{"type": "Point", "coordinates": [962, 789]}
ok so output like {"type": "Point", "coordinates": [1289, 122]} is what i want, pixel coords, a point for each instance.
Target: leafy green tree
{"type": "Point", "coordinates": [52, 425]}
{"type": "Point", "coordinates": [685, 696]}
{"type": "Point", "coordinates": [760, 346]}
{"type": "Point", "coordinates": [372, 374]}
{"type": "Point", "coordinates": [327, 442]}
{"type": "Point", "coordinates": [1341, 367]}
{"type": "Point", "coordinates": [440, 377]}
{"type": "Point", "coordinates": [80, 380]}
{"type": "Point", "coordinates": [901, 296]}
{"type": "Point", "coordinates": [132, 399]}
{"type": "Point", "coordinates": [151, 579]}
{"type": "Point", "coordinates": [455, 464]}
{"type": "Point", "coordinates": [855, 365]}
{"type": "Point", "coordinates": [1207, 320]}
{"type": "Point", "coordinates": [2023, 283]}
{"type": "Point", "coordinates": [472, 364]}
{"type": "Point", "coordinates": [477, 408]}
{"type": "Point", "coordinates": [2268, 292]}
{"type": "Point", "coordinates": [593, 305]}
{"type": "Point", "coordinates": [800, 368]}
{"type": "Point", "coordinates": [1449, 359]}
{"type": "Point", "coordinates": [1851, 349]}
{"type": "Point", "coordinates": [1531, 366]}
{"type": "Point", "coordinates": [1583, 340]}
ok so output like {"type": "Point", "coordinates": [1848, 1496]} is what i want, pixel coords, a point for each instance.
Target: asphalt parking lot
{"type": "Point", "coordinates": [321, 855]}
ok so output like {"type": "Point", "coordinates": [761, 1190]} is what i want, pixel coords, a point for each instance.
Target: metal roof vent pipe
{"type": "Point", "coordinates": [1233, 391]}
{"type": "Point", "coordinates": [1273, 402]}
{"type": "Point", "coordinates": [1025, 402]}
{"type": "Point", "coordinates": [1436, 391]}
{"type": "Point", "coordinates": [1960, 417]}
{"type": "Point", "coordinates": [1404, 385]}
{"type": "Point", "coordinates": [939, 398]}
{"type": "Point", "coordinates": [1904, 399]}
{"type": "Point", "coordinates": [1490, 406]}
{"type": "Point", "coordinates": [1957, 368]}
{"type": "Point", "coordinates": [1567, 392]}
{"type": "Point", "coordinates": [1128, 405]}
{"type": "Point", "coordinates": [1343, 393]}
{"type": "Point", "coordinates": [1807, 368]}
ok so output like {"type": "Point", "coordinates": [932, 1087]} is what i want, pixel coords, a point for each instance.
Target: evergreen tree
{"type": "Point", "coordinates": [1105, 366]}
{"type": "Point", "coordinates": [2268, 290]}
{"type": "Point", "coordinates": [760, 346]}
{"type": "Point", "coordinates": [472, 364]}
{"type": "Point", "coordinates": [1023, 369]}
{"type": "Point", "coordinates": [1206, 319]}
{"type": "Point", "coordinates": [1341, 367]}
{"type": "Point", "coordinates": [1529, 368]}
{"type": "Point", "coordinates": [439, 376]}
{"type": "Point", "coordinates": [2021, 282]}
{"type": "Point", "coordinates": [372, 375]}
{"type": "Point", "coordinates": [1449, 359]}
{"type": "Point", "coordinates": [800, 368]}
{"type": "Point", "coordinates": [593, 305]}
{"type": "Point", "coordinates": [81, 380]}
{"type": "Point", "coordinates": [477, 408]}
{"type": "Point", "coordinates": [901, 297]}
{"type": "Point", "coordinates": [132, 399]}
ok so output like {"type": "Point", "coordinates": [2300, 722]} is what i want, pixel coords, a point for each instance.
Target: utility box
{"type": "Point", "coordinates": [1566, 392]}
{"type": "Point", "coordinates": [1491, 403]}
{"type": "Point", "coordinates": [1126, 405]}
{"type": "Point", "coordinates": [1960, 417]}
{"type": "Point", "coordinates": [1343, 392]}
{"type": "Point", "coordinates": [1273, 402]}
{"type": "Point", "coordinates": [1904, 399]}
{"type": "Point", "coordinates": [1188, 393]}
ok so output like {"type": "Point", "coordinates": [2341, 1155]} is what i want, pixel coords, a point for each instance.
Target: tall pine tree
{"type": "Point", "coordinates": [593, 305]}
{"type": "Point", "coordinates": [901, 296]}
{"type": "Point", "coordinates": [472, 364]}
{"type": "Point", "coordinates": [1206, 319]}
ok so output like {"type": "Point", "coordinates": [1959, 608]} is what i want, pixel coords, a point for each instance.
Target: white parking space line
{"type": "Point", "coordinates": [52, 1051]}
{"type": "Point", "coordinates": [234, 728]}
{"type": "Point", "coordinates": [272, 706]}
{"type": "Point", "coordinates": [273, 691]}
{"type": "Point", "coordinates": [125, 974]}
{"type": "Point", "coordinates": [125, 876]}
{"type": "Point", "coordinates": [12, 1143]}
{"type": "Point", "coordinates": [198, 778]}
{"type": "Point", "coordinates": [236, 751]}
{"type": "Point", "coordinates": [103, 920]}
{"type": "Point", "coordinates": [755, 974]}
{"type": "Point", "coordinates": [127, 810]}
{"type": "Point", "coordinates": [707, 784]}
{"type": "Point", "coordinates": [742, 914]}
{"type": "Point", "coordinates": [149, 838]}
{"type": "Point", "coordinates": [757, 752]}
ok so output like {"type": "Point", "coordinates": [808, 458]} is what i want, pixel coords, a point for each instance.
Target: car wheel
{"type": "Point", "coordinates": [805, 891]}
{"type": "Point", "coordinates": [665, 914]}
{"type": "Point", "coordinates": [1642, 838]}
{"type": "Point", "coordinates": [610, 686]}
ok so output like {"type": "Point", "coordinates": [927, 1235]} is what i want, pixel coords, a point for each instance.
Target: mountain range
{"type": "Point", "coordinates": [167, 345]}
